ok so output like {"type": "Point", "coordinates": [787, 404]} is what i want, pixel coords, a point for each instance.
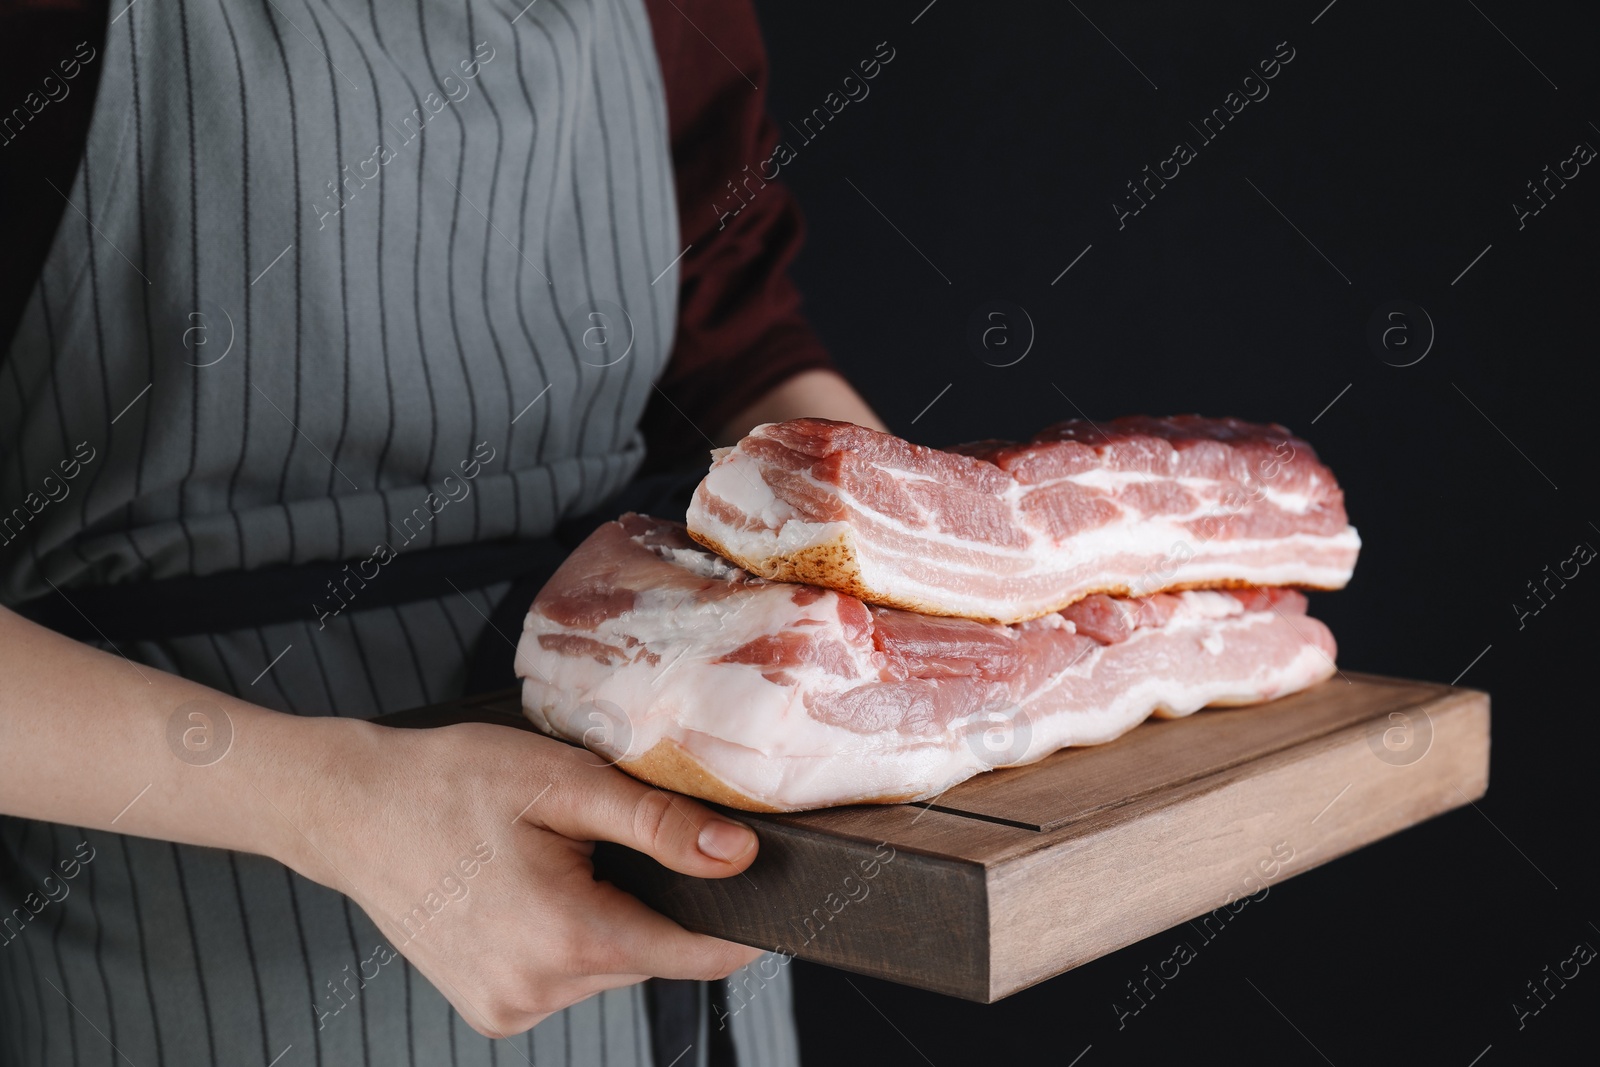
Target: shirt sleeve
{"type": "Point", "coordinates": [740, 330]}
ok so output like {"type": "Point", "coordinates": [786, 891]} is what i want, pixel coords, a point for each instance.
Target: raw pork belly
{"type": "Point", "coordinates": [702, 678]}
{"type": "Point", "coordinates": [1006, 532]}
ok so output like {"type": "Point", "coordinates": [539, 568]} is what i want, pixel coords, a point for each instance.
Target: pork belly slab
{"type": "Point", "coordinates": [1005, 531]}
{"type": "Point", "coordinates": [693, 674]}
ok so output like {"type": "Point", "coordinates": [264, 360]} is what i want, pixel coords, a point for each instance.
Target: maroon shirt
{"type": "Point", "coordinates": [740, 330]}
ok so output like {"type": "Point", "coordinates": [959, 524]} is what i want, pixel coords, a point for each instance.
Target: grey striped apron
{"type": "Point", "coordinates": [333, 275]}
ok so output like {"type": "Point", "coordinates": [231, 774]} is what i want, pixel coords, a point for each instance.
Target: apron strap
{"type": "Point", "coordinates": [303, 592]}
{"type": "Point", "coordinates": [234, 600]}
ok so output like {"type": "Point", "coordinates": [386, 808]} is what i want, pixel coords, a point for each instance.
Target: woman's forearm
{"type": "Point", "coordinates": [400, 821]}
{"type": "Point", "coordinates": [90, 739]}
{"type": "Point", "coordinates": [820, 394]}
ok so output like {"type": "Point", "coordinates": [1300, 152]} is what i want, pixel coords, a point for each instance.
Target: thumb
{"type": "Point", "coordinates": [604, 804]}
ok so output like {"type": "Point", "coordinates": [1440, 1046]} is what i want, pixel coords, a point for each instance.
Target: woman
{"type": "Point", "coordinates": [327, 291]}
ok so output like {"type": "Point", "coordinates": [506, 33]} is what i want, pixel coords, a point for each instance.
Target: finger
{"type": "Point", "coordinates": [624, 936]}
{"type": "Point", "coordinates": [603, 804]}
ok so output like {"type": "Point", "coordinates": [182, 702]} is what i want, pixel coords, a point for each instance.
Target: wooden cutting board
{"type": "Point", "coordinates": [1017, 875]}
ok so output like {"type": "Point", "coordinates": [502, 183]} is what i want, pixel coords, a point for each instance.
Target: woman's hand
{"type": "Point", "coordinates": [469, 847]}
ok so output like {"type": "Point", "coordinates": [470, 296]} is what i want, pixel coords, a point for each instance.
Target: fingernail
{"type": "Point", "coordinates": [726, 841]}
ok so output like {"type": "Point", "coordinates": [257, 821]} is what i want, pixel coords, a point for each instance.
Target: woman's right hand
{"type": "Point", "coordinates": [393, 818]}
{"type": "Point", "coordinates": [469, 846]}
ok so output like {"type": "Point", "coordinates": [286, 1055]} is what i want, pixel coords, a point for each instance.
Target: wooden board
{"type": "Point", "coordinates": [1017, 875]}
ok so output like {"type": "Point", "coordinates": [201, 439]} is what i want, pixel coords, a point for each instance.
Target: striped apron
{"type": "Point", "coordinates": [334, 274]}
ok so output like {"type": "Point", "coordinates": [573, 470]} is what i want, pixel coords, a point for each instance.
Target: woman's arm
{"type": "Point", "coordinates": [820, 394]}
{"type": "Point", "coordinates": [84, 740]}
{"type": "Point", "coordinates": [743, 352]}
{"type": "Point", "coordinates": [391, 818]}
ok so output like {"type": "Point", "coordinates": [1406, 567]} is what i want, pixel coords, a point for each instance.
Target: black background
{"type": "Point", "coordinates": [1397, 140]}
